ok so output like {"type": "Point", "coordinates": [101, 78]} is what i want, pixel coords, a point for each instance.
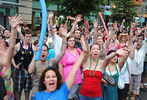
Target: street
{"type": "Point", "coordinates": [143, 95]}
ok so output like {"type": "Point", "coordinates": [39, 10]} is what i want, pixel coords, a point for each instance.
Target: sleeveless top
{"type": "Point", "coordinates": [119, 46]}
{"type": "Point", "coordinates": [112, 47]}
{"type": "Point", "coordinates": [6, 74]}
{"type": "Point", "coordinates": [91, 86]}
{"type": "Point", "coordinates": [26, 54]}
{"type": "Point", "coordinates": [68, 61]}
{"type": "Point", "coordinates": [110, 92]}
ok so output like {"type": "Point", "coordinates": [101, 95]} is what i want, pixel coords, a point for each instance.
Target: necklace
{"type": "Point", "coordinates": [102, 51]}
{"type": "Point", "coordinates": [110, 70]}
{"type": "Point", "coordinates": [94, 68]}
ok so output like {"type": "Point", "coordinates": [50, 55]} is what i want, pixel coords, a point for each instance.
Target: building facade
{"type": "Point", "coordinates": [30, 10]}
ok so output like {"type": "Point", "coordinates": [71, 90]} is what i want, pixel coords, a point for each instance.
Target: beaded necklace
{"type": "Point", "coordinates": [102, 51]}
{"type": "Point", "coordinates": [110, 70]}
{"type": "Point", "coordinates": [94, 67]}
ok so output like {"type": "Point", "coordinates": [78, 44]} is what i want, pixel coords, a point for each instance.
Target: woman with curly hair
{"type": "Point", "coordinates": [51, 87]}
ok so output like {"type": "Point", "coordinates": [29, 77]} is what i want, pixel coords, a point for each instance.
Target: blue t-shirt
{"type": "Point", "coordinates": [61, 94]}
{"type": "Point", "coordinates": [51, 54]}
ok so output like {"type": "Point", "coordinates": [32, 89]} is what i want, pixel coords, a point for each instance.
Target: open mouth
{"type": "Point", "coordinates": [43, 55]}
{"type": "Point", "coordinates": [51, 83]}
{"type": "Point", "coordinates": [95, 54]}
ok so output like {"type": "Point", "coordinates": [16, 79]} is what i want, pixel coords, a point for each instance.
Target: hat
{"type": "Point", "coordinates": [123, 34]}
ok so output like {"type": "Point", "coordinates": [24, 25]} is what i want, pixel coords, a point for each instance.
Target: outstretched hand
{"type": "Point", "coordinates": [70, 17]}
{"type": "Point", "coordinates": [84, 43]}
{"type": "Point", "coordinates": [123, 51]}
{"type": "Point", "coordinates": [132, 25]}
{"type": "Point", "coordinates": [78, 18]}
{"type": "Point", "coordinates": [36, 48]}
{"type": "Point", "coordinates": [18, 28]}
{"type": "Point", "coordinates": [51, 14]}
{"type": "Point", "coordinates": [123, 20]}
{"type": "Point", "coordinates": [95, 23]}
{"type": "Point", "coordinates": [14, 20]}
{"type": "Point", "coordinates": [63, 31]}
{"type": "Point", "coordinates": [127, 52]}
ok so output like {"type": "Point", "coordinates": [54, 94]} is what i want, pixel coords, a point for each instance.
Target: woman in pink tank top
{"type": "Point", "coordinates": [67, 62]}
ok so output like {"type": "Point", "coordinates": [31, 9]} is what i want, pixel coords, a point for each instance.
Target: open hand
{"type": "Point", "coordinates": [123, 20]}
{"type": "Point", "coordinates": [51, 14]}
{"type": "Point", "coordinates": [132, 25]}
{"type": "Point", "coordinates": [123, 51]}
{"type": "Point", "coordinates": [63, 30]}
{"type": "Point", "coordinates": [18, 28]}
{"type": "Point", "coordinates": [95, 23]}
{"type": "Point", "coordinates": [84, 44]}
{"type": "Point", "coordinates": [36, 48]}
{"type": "Point", "coordinates": [78, 18]}
{"type": "Point", "coordinates": [14, 20]}
{"type": "Point", "coordinates": [70, 17]}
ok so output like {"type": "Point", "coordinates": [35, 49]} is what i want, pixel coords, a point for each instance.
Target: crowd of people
{"type": "Point", "coordinates": [75, 64]}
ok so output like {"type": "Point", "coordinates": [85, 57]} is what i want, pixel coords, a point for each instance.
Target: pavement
{"type": "Point", "coordinates": [143, 95]}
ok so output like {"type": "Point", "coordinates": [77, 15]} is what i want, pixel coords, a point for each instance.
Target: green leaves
{"type": "Point", "coordinates": [123, 9]}
{"type": "Point", "coordinates": [74, 7]}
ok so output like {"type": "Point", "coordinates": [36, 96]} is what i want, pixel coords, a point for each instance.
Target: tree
{"type": "Point", "coordinates": [74, 7]}
{"type": "Point", "coordinates": [124, 9]}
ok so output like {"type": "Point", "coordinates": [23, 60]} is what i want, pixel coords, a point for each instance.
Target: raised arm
{"type": "Point", "coordinates": [131, 35]}
{"type": "Point", "coordinates": [121, 26]}
{"type": "Point", "coordinates": [20, 36]}
{"type": "Point", "coordinates": [132, 51]}
{"type": "Point", "coordinates": [14, 21]}
{"type": "Point", "coordinates": [95, 30]}
{"type": "Point", "coordinates": [71, 77]}
{"type": "Point", "coordinates": [61, 70]}
{"type": "Point", "coordinates": [56, 21]}
{"type": "Point", "coordinates": [63, 34]}
{"type": "Point", "coordinates": [123, 58]}
{"type": "Point", "coordinates": [32, 65]}
{"type": "Point", "coordinates": [109, 57]}
{"type": "Point", "coordinates": [109, 39]}
{"type": "Point", "coordinates": [2, 28]}
{"type": "Point", "coordinates": [50, 22]}
{"type": "Point", "coordinates": [7, 54]}
{"type": "Point", "coordinates": [78, 19]}
{"type": "Point", "coordinates": [95, 23]}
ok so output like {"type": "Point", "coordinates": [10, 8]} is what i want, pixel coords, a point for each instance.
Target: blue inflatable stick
{"type": "Point", "coordinates": [43, 28]}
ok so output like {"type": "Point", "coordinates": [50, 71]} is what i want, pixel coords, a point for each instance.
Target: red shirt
{"type": "Point", "coordinates": [91, 86]}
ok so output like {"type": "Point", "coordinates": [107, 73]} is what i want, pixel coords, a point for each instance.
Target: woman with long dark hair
{"type": "Point", "coordinates": [51, 87]}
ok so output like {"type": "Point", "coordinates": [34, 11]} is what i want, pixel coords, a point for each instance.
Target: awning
{"type": "Point", "coordinates": [7, 4]}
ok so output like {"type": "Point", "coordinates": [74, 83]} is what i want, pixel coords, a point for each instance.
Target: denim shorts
{"type": "Point", "coordinates": [81, 97]}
